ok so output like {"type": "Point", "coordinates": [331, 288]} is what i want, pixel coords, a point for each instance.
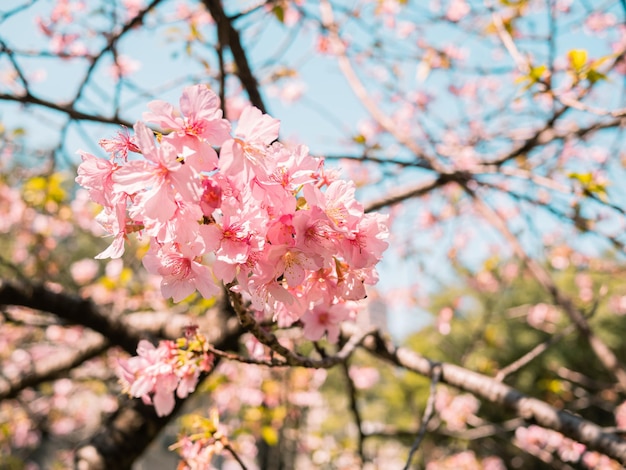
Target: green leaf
{"type": "Point", "coordinates": [594, 76]}
{"type": "Point", "coordinates": [534, 76]}
{"type": "Point", "coordinates": [589, 185]}
{"type": "Point", "coordinates": [359, 139]}
{"type": "Point", "coordinates": [279, 13]}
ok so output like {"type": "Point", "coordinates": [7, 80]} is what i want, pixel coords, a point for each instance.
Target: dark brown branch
{"type": "Point", "coordinates": [292, 358]}
{"type": "Point", "coordinates": [354, 407]}
{"type": "Point", "coordinates": [402, 195]}
{"type": "Point", "coordinates": [53, 366]}
{"type": "Point", "coordinates": [110, 46]}
{"type": "Point", "coordinates": [122, 438]}
{"type": "Point", "coordinates": [156, 324]}
{"type": "Point", "coordinates": [72, 309]}
{"type": "Point", "coordinates": [229, 36]}
{"type": "Point", "coordinates": [548, 134]}
{"type": "Point", "coordinates": [68, 109]}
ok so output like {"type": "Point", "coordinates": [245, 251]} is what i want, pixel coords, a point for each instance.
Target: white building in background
{"type": "Point", "coordinates": [374, 314]}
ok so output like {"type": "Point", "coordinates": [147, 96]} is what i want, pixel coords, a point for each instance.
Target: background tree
{"type": "Point", "coordinates": [490, 132]}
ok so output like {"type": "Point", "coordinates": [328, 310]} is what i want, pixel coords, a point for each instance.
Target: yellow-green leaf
{"type": "Point", "coordinates": [577, 59]}
{"type": "Point", "coordinates": [279, 13]}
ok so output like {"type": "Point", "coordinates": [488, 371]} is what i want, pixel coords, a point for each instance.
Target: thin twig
{"type": "Point", "coordinates": [364, 96]}
{"type": "Point", "coordinates": [497, 393]}
{"type": "Point", "coordinates": [230, 449]}
{"type": "Point", "coordinates": [354, 407]}
{"type": "Point", "coordinates": [428, 413]}
{"type": "Point", "coordinates": [606, 356]}
{"type": "Point", "coordinates": [292, 358]}
{"type": "Point", "coordinates": [533, 353]}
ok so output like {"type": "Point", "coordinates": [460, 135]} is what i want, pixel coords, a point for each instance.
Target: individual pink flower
{"type": "Point", "coordinates": [12, 207]}
{"type": "Point", "coordinates": [365, 245]}
{"type": "Point", "coordinates": [338, 203]}
{"type": "Point", "coordinates": [157, 372]}
{"type": "Point", "coordinates": [269, 295]}
{"type": "Point", "coordinates": [150, 376]}
{"type": "Point", "coordinates": [84, 271]}
{"type": "Point", "coordinates": [232, 240]}
{"type": "Point", "coordinates": [598, 22]}
{"type": "Point", "coordinates": [154, 183]}
{"type": "Point", "coordinates": [245, 155]}
{"type": "Point", "coordinates": [292, 264]}
{"type": "Point", "coordinates": [323, 319]}
{"type": "Point", "coordinates": [455, 410]}
{"type": "Point", "coordinates": [364, 377]}
{"type": "Point", "coordinates": [120, 145]}
{"type": "Point", "coordinates": [182, 274]}
{"type": "Point", "coordinates": [96, 175]}
{"type": "Point", "coordinates": [201, 116]}
{"type": "Point", "coordinates": [114, 220]}
{"type": "Point", "coordinates": [133, 7]}
{"type": "Point", "coordinates": [123, 67]}
{"type": "Point", "coordinates": [211, 197]}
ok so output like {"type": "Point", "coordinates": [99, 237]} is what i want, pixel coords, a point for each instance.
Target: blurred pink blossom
{"type": "Point", "coordinates": [598, 21]}
{"type": "Point", "coordinates": [364, 377]}
{"type": "Point", "coordinates": [84, 271]}
{"type": "Point", "coordinates": [543, 316]}
{"type": "Point", "coordinates": [123, 67]}
{"type": "Point", "coordinates": [457, 10]}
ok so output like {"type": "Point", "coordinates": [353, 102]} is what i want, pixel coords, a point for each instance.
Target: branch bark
{"type": "Point", "coordinates": [73, 309]}
{"type": "Point", "coordinates": [497, 393]}
{"type": "Point", "coordinates": [229, 36]}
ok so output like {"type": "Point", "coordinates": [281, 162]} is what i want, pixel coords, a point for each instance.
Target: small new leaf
{"type": "Point", "coordinates": [589, 185]}
{"type": "Point", "coordinates": [578, 60]}
{"type": "Point", "coordinates": [534, 76]}
{"type": "Point", "coordinates": [279, 13]}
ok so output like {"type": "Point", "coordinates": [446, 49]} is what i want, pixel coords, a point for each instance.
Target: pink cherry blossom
{"type": "Point", "coordinates": [182, 274]}
{"type": "Point", "coordinates": [246, 153]}
{"type": "Point", "coordinates": [457, 10]}
{"type": "Point", "coordinates": [156, 373]}
{"type": "Point", "coordinates": [96, 175]}
{"type": "Point", "coordinates": [201, 115]}
{"type": "Point", "coordinates": [270, 219]}
{"type": "Point", "coordinates": [120, 145]}
{"type": "Point", "coordinates": [323, 319]}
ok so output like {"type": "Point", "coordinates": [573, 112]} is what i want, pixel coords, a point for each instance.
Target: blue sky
{"type": "Point", "coordinates": [325, 120]}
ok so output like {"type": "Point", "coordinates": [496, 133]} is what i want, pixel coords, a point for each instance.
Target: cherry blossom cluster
{"type": "Point", "coordinates": [537, 440]}
{"type": "Point", "coordinates": [265, 219]}
{"type": "Point", "coordinates": [157, 372]}
{"type": "Point", "coordinates": [203, 439]}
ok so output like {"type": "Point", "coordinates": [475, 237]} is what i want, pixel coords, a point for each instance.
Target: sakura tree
{"type": "Point", "coordinates": [205, 204]}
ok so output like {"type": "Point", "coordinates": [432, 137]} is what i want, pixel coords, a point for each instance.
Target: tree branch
{"type": "Point", "coordinates": [497, 393]}
{"type": "Point", "coordinates": [605, 355]}
{"type": "Point", "coordinates": [72, 309]}
{"type": "Point", "coordinates": [229, 36]}
{"type": "Point", "coordinates": [68, 109]}
{"type": "Point", "coordinates": [53, 366]}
